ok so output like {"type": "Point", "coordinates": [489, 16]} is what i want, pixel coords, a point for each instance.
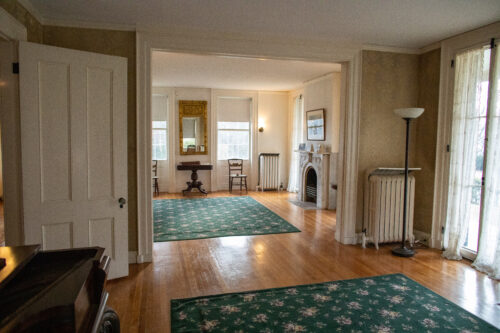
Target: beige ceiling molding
{"type": "Point", "coordinates": [88, 24]}
{"type": "Point", "coordinates": [10, 28]}
{"type": "Point", "coordinates": [32, 10]}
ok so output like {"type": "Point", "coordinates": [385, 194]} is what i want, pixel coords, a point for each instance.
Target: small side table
{"type": "Point", "coordinates": [194, 183]}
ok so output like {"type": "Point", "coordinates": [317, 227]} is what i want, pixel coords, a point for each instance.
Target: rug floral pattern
{"type": "Point", "coordinates": [177, 219]}
{"type": "Point", "coordinates": [387, 303]}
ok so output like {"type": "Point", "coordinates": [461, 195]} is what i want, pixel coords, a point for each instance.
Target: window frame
{"type": "Point", "coordinates": [165, 129]}
{"type": "Point", "coordinates": [247, 130]}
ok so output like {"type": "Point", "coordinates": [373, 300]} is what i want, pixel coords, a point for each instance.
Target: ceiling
{"type": "Point", "coordinates": [221, 72]}
{"type": "Point", "coordinates": [397, 23]}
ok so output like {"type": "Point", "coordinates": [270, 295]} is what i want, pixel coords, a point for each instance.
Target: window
{"type": "Point", "coordinates": [233, 140]}
{"type": "Point", "coordinates": [159, 140]}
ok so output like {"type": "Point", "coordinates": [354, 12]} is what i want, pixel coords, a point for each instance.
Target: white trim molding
{"type": "Point", "coordinates": [132, 257]}
{"type": "Point", "coordinates": [10, 28]}
{"type": "Point", "coordinates": [88, 25]}
{"type": "Point", "coordinates": [350, 59]}
{"type": "Point", "coordinates": [345, 231]}
{"type": "Point", "coordinates": [32, 10]}
{"type": "Point", "coordinates": [449, 49]}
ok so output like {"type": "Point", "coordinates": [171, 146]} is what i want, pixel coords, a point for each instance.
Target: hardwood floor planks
{"type": "Point", "coordinates": [232, 264]}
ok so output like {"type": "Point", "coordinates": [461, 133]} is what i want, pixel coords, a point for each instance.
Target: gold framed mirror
{"type": "Point", "coordinates": [193, 128]}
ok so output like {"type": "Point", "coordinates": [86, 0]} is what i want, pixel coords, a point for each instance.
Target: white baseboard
{"type": "Point", "coordinates": [359, 238]}
{"type": "Point", "coordinates": [132, 257]}
{"type": "Point", "coordinates": [423, 237]}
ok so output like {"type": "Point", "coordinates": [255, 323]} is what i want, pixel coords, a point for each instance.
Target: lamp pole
{"type": "Point", "coordinates": [403, 251]}
{"type": "Point", "coordinates": [407, 114]}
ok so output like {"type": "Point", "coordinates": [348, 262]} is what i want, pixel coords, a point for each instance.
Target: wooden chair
{"type": "Point", "coordinates": [236, 172]}
{"type": "Point", "coordinates": [156, 188]}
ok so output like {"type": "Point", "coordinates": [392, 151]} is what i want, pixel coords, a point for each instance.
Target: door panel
{"type": "Point", "coordinates": [74, 153]}
{"type": "Point", "coordinates": [55, 131]}
{"type": "Point", "coordinates": [100, 133]}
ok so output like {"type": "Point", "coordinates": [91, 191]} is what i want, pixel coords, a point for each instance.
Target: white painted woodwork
{"type": "Point", "coordinates": [10, 28]}
{"type": "Point", "coordinates": [74, 150]}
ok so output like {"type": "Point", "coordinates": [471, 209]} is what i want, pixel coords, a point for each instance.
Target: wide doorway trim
{"type": "Point", "coordinates": [348, 57]}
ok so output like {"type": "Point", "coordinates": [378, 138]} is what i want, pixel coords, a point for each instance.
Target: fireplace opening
{"type": "Point", "coordinates": [311, 185]}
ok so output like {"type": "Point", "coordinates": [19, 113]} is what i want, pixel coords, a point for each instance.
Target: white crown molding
{"type": "Point", "coordinates": [431, 47]}
{"type": "Point", "coordinates": [88, 25]}
{"type": "Point", "coordinates": [32, 10]}
{"type": "Point", "coordinates": [10, 28]}
{"type": "Point", "coordinates": [380, 48]}
{"type": "Point", "coordinates": [319, 78]}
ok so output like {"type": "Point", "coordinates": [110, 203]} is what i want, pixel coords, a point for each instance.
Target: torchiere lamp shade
{"type": "Point", "coordinates": [410, 113]}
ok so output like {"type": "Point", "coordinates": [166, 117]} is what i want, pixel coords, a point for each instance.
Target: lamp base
{"type": "Point", "coordinates": [403, 252]}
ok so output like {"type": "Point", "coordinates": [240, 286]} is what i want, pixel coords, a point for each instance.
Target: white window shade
{"type": "Point", "coordinates": [233, 128]}
{"type": "Point", "coordinates": [233, 109]}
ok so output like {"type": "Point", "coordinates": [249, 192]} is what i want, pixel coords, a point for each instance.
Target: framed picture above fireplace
{"type": "Point", "coordinates": [315, 122]}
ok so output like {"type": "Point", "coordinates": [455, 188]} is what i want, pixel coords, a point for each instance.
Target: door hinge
{"type": "Point", "coordinates": [492, 43]}
{"type": "Point", "coordinates": [482, 181]}
{"type": "Point", "coordinates": [452, 63]}
{"type": "Point", "coordinates": [447, 148]}
{"type": "Point", "coordinates": [15, 68]}
{"type": "Point", "coordinates": [442, 230]}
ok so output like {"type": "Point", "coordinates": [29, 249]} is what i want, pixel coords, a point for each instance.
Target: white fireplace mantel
{"type": "Point", "coordinates": [320, 162]}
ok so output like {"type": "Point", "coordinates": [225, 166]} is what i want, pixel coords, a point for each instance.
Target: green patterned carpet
{"type": "Point", "coordinates": [177, 219]}
{"type": "Point", "coordinates": [387, 303]}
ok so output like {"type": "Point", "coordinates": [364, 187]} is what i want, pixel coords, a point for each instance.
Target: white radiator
{"type": "Point", "coordinates": [383, 208]}
{"type": "Point", "coordinates": [269, 172]}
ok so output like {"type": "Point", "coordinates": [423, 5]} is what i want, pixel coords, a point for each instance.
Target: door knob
{"type": "Point", "coordinates": [122, 202]}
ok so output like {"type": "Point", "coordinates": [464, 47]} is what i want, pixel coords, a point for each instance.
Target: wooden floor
{"type": "Point", "coordinates": [219, 265]}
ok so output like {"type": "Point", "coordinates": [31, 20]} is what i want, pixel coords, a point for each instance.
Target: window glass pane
{"type": "Point", "coordinates": [159, 144]}
{"type": "Point", "coordinates": [244, 125]}
{"type": "Point", "coordinates": [160, 124]}
{"type": "Point", "coordinates": [233, 144]}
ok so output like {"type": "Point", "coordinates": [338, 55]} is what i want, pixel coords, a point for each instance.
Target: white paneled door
{"type": "Point", "coordinates": [74, 150]}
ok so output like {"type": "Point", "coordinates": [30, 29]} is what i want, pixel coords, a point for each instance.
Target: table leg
{"type": "Point", "coordinates": [194, 183]}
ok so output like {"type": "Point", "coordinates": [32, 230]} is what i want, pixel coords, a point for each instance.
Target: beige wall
{"type": "Point", "coordinates": [118, 43]}
{"type": "Point", "coordinates": [389, 81]}
{"type": "Point", "coordinates": [426, 138]}
{"type": "Point", "coordinates": [34, 28]}
{"type": "Point", "coordinates": [273, 111]}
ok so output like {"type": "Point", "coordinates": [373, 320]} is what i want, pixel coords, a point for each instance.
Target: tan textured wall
{"type": "Point", "coordinates": [34, 28]}
{"type": "Point", "coordinates": [118, 43]}
{"type": "Point", "coordinates": [426, 138]}
{"type": "Point", "coordinates": [389, 81]}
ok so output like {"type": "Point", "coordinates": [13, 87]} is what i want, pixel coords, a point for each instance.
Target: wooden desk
{"type": "Point", "coordinates": [194, 183]}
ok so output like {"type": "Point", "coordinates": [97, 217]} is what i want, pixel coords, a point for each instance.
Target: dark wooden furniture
{"type": "Point", "coordinates": [156, 188]}
{"type": "Point", "coordinates": [194, 183]}
{"type": "Point", "coordinates": [236, 172]}
{"type": "Point", "coordinates": [55, 291]}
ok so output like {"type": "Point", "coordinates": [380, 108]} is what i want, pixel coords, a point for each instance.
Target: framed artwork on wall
{"type": "Point", "coordinates": [315, 122]}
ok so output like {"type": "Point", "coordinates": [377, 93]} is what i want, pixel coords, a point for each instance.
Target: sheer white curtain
{"type": "Point", "coordinates": [488, 255]}
{"type": "Point", "coordinates": [297, 137]}
{"type": "Point", "coordinates": [469, 73]}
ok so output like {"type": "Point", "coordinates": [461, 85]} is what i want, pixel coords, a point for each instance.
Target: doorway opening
{"type": "Point", "coordinates": [253, 106]}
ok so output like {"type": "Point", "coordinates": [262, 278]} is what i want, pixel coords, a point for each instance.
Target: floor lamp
{"type": "Point", "coordinates": [407, 114]}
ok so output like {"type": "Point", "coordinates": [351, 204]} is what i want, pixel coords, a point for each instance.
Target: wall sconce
{"type": "Point", "coordinates": [261, 125]}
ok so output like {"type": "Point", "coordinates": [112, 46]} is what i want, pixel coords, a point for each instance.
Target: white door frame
{"type": "Point", "coordinates": [449, 48]}
{"type": "Point", "coordinates": [349, 57]}
{"type": "Point", "coordinates": [11, 30]}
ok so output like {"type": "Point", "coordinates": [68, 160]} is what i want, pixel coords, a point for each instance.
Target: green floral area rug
{"type": "Point", "coordinates": [387, 303]}
{"type": "Point", "coordinates": [178, 219]}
